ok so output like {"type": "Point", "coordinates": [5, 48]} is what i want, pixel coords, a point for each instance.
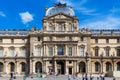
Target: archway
{"type": "Point", "coordinates": [23, 67]}
{"type": "Point", "coordinates": [97, 67]}
{"type": "Point", "coordinates": [12, 67]}
{"type": "Point", "coordinates": [108, 66]}
{"type": "Point", "coordinates": [1, 67]}
{"type": "Point", "coordinates": [118, 66]}
{"type": "Point", "coordinates": [82, 67]}
{"type": "Point", "coordinates": [61, 67]}
{"type": "Point", "coordinates": [38, 67]}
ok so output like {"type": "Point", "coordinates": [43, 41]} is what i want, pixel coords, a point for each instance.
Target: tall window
{"type": "Point", "coordinates": [107, 52]}
{"type": "Point", "coordinates": [23, 51]}
{"type": "Point", "coordinates": [50, 38]}
{"type": "Point", "coordinates": [60, 50]}
{"type": "Point", "coordinates": [60, 27]}
{"type": "Point", "coordinates": [96, 40]}
{"type": "Point", "coordinates": [118, 40]}
{"type": "Point", "coordinates": [1, 40]}
{"type": "Point", "coordinates": [38, 51]}
{"type": "Point", "coordinates": [1, 67]}
{"type": "Point", "coordinates": [118, 52]}
{"type": "Point", "coordinates": [12, 40]}
{"type": "Point", "coordinates": [108, 66]}
{"type": "Point", "coordinates": [70, 27]}
{"type": "Point", "coordinates": [96, 51]}
{"type": "Point", "coordinates": [118, 66]}
{"type": "Point", "coordinates": [23, 67]}
{"type": "Point", "coordinates": [97, 66]}
{"type": "Point", "coordinates": [107, 40]}
{"type": "Point", "coordinates": [50, 51]}
{"type": "Point", "coordinates": [12, 67]}
{"type": "Point", "coordinates": [81, 51]}
{"type": "Point", "coordinates": [12, 52]}
{"type": "Point", "coordinates": [70, 51]}
{"type": "Point", "coordinates": [81, 38]}
{"type": "Point", "coordinates": [51, 28]}
{"type": "Point", "coordinates": [70, 38]}
{"type": "Point", "coordinates": [38, 38]}
{"type": "Point", "coordinates": [1, 52]}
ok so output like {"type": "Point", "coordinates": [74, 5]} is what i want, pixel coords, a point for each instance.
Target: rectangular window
{"type": "Point", "coordinates": [107, 52]}
{"type": "Point", "coordinates": [70, 51]}
{"type": "Point", "coordinates": [70, 27]}
{"type": "Point", "coordinates": [118, 52]}
{"type": "Point", "coordinates": [70, 38]}
{"type": "Point", "coordinates": [96, 40]}
{"type": "Point", "coordinates": [1, 40]}
{"type": "Point", "coordinates": [23, 52]}
{"type": "Point", "coordinates": [12, 40]}
{"type": "Point", "coordinates": [118, 40]}
{"type": "Point", "coordinates": [1, 52]}
{"type": "Point", "coordinates": [50, 51]}
{"type": "Point", "coordinates": [81, 38]}
{"type": "Point", "coordinates": [38, 51]}
{"type": "Point", "coordinates": [60, 50]}
{"type": "Point", "coordinates": [50, 38]}
{"type": "Point", "coordinates": [12, 52]}
{"type": "Point", "coordinates": [60, 27]}
{"type": "Point", "coordinates": [107, 40]}
{"type": "Point", "coordinates": [96, 52]}
{"type": "Point", "coordinates": [81, 51]}
{"type": "Point", "coordinates": [38, 38]}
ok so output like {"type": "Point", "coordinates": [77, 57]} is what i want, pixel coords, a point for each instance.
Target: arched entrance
{"type": "Point", "coordinates": [61, 67]}
{"type": "Point", "coordinates": [118, 66]}
{"type": "Point", "coordinates": [97, 67]}
{"type": "Point", "coordinates": [12, 67]}
{"type": "Point", "coordinates": [23, 67]}
{"type": "Point", "coordinates": [108, 66]}
{"type": "Point", "coordinates": [1, 67]}
{"type": "Point", "coordinates": [38, 67]}
{"type": "Point", "coordinates": [82, 67]}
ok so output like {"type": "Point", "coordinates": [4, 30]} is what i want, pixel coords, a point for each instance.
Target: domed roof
{"type": "Point", "coordinates": [60, 8]}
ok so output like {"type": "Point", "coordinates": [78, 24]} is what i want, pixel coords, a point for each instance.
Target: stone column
{"type": "Point", "coordinates": [16, 67]}
{"type": "Point", "coordinates": [66, 68]}
{"type": "Point", "coordinates": [55, 66]}
{"type": "Point", "coordinates": [66, 50]}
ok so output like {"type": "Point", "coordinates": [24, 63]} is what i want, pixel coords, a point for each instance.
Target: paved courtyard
{"type": "Point", "coordinates": [20, 78]}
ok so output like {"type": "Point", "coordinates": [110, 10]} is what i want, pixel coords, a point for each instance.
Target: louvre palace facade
{"type": "Point", "coordinates": [60, 46]}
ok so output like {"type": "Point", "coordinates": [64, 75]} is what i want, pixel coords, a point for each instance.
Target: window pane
{"type": "Point", "coordinates": [12, 52]}
{"type": "Point", "coordinates": [81, 51]}
{"type": "Point", "coordinates": [70, 51]}
{"type": "Point", "coordinates": [60, 50]}
{"type": "Point", "coordinates": [1, 52]}
{"type": "Point", "coordinates": [50, 51]}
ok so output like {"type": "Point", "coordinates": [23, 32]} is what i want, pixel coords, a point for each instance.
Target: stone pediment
{"type": "Point", "coordinates": [60, 16]}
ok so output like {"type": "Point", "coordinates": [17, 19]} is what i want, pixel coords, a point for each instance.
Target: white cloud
{"type": "Point", "coordinates": [106, 23]}
{"type": "Point", "coordinates": [2, 14]}
{"type": "Point", "coordinates": [26, 17]}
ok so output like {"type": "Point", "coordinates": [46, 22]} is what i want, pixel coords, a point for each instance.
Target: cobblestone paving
{"type": "Point", "coordinates": [20, 78]}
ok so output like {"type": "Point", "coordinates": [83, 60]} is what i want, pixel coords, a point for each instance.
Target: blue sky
{"type": "Point", "coordinates": [93, 14]}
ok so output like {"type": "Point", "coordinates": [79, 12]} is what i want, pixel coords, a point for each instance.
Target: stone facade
{"type": "Point", "coordinates": [61, 47]}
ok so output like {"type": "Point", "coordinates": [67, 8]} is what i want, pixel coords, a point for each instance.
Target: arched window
{"type": "Point", "coordinates": [12, 52]}
{"type": "Point", "coordinates": [108, 66]}
{"type": "Point", "coordinates": [23, 51]}
{"type": "Point", "coordinates": [38, 67]}
{"type": "Point", "coordinates": [97, 67]}
{"type": "Point", "coordinates": [23, 67]}
{"type": "Point", "coordinates": [38, 50]}
{"type": "Point", "coordinates": [118, 66]}
{"type": "Point", "coordinates": [1, 67]}
{"type": "Point", "coordinates": [82, 67]}
{"type": "Point", "coordinates": [12, 67]}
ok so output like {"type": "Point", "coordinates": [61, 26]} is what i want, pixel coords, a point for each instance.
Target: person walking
{"type": "Point", "coordinates": [24, 77]}
{"type": "Point", "coordinates": [68, 77]}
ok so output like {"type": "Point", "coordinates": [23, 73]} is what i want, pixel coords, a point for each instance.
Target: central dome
{"type": "Point", "coordinates": [60, 8]}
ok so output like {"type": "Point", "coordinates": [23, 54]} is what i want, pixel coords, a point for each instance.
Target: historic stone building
{"type": "Point", "coordinates": [60, 46]}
